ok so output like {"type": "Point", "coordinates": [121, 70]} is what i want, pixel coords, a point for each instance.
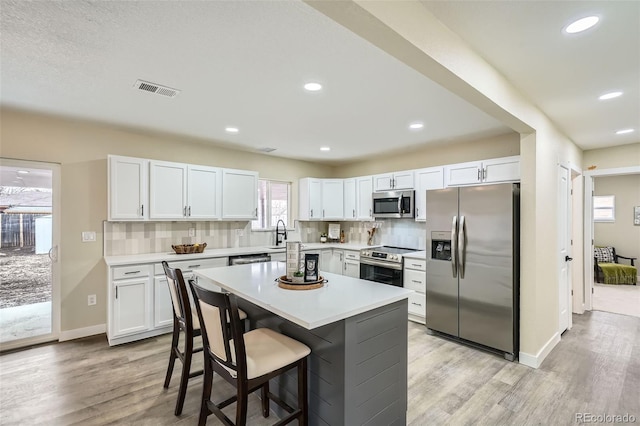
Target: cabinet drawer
{"type": "Point", "coordinates": [415, 280]}
{"type": "Point", "coordinates": [419, 264]}
{"type": "Point", "coordinates": [133, 271]}
{"type": "Point", "coordinates": [190, 265]}
{"type": "Point", "coordinates": [352, 255]}
{"type": "Point", "coordinates": [417, 304]}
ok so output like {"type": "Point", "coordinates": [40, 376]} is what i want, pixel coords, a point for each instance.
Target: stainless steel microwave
{"type": "Point", "coordinates": [395, 204]}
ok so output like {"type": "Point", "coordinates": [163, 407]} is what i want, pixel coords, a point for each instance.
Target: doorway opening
{"type": "Point", "coordinates": [610, 223]}
{"type": "Point", "coordinates": [28, 253]}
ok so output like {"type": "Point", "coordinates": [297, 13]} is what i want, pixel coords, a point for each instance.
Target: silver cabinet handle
{"type": "Point", "coordinates": [322, 212]}
{"type": "Point", "coordinates": [390, 183]}
{"type": "Point", "coordinates": [193, 266]}
{"type": "Point", "coordinates": [189, 210]}
{"type": "Point", "coordinates": [256, 212]}
{"type": "Point", "coordinates": [184, 211]}
{"type": "Point", "coordinates": [132, 272]}
{"type": "Point", "coordinates": [370, 213]}
{"type": "Point", "coordinates": [354, 213]}
{"type": "Point", "coordinates": [142, 210]}
{"type": "Point", "coordinates": [116, 292]}
{"type": "Point", "coordinates": [479, 175]}
{"type": "Point", "coordinates": [484, 173]}
{"type": "Point", "coordinates": [416, 281]}
{"type": "Point", "coordinates": [311, 215]}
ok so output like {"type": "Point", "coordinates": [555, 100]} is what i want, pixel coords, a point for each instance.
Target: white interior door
{"type": "Point", "coordinates": [564, 247]}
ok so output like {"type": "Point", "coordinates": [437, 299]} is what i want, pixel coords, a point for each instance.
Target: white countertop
{"type": "Point", "coordinates": [219, 252]}
{"type": "Point", "coordinates": [416, 255]}
{"type": "Point", "coordinates": [340, 298]}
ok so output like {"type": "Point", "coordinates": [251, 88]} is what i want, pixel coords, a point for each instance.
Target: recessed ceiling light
{"type": "Point", "coordinates": [231, 129]}
{"type": "Point", "coordinates": [325, 148]}
{"type": "Point", "coordinates": [313, 87]}
{"type": "Point", "coordinates": [416, 126]}
{"type": "Point", "coordinates": [23, 172]}
{"type": "Point", "coordinates": [610, 95]}
{"type": "Point", "coordinates": [624, 131]}
{"type": "Point", "coordinates": [581, 24]}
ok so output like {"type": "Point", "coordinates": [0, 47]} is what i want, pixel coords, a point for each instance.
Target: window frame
{"type": "Point", "coordinates": [612, 217]}
{"type": "Point", "coordinates": [269, 226]}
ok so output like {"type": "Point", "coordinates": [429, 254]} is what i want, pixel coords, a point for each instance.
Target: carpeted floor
{"type": "Point", "coordinates": [619, 299]}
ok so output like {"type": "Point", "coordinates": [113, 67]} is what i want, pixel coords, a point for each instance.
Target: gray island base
{"type": "Point", "coordinates": [357, 332]}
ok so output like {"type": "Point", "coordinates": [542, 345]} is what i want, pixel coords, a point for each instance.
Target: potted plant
{"type": "Point", "coordinates": [298, 277]}
{"type": "Point", "coordinates": [323, 237]}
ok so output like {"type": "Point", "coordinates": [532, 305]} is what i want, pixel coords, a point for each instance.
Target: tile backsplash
{"type": "Point", "coordinates": [123, 238]}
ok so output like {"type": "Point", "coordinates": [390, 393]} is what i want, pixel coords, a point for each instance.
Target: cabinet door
{"type": "Point", "coordinates": [463, 173]}
{"type": "Point", "coordinates": [167, 190]}
{"type": "Point", "coordinates": [131, 306]}
{"type": "Point", "coordinates": [127, 183]}
{"type": "Point", "coordinates": [204, 193]}
{"type": "Point", "coordinates": [403, 180]}
{"type": "Point", "coordinates": [162, 307]}
{"type": "Point", "coordinates": [350, 199]}
{"type": "Point", "coordinates": [239, 194]}
{"type": "Point", "coordinates": [352, 268]}
{"type": "Point", "coordinates": [502, 169]}
{"type": "Point", "coordinates": [337, 259]}
{"type": "Point", "coordinates": [383, 182]}
{"type": "Point", "coordinates": [326, 258]}
{"type": "Point", "coordinates": [365, 198]}
{"type": "Point", "coordinates": [314, 202]}
{"type": "Point", "coordinates": [332, 199]}
{"type": "Point", "coordinates": [426, 179]}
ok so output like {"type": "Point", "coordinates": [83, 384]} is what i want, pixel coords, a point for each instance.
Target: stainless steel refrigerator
{"type": "Point", "coordinates": [473, 265]}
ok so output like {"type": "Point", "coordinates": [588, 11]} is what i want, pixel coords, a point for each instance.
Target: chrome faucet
{"type": "Point", "coordinates": [279, 233]}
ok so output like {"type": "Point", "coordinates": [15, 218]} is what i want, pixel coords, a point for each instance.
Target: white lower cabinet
{"type": "Point", "coordinates": [139, 299]}
{"type": "Point", "coordinates": [351, 263]}
{"type": "Point", "coordinates": [131, 301]}
{"type": "Point", "coordinates": [162, 307]}
{"type": "Point", "coordinates": [415, 278]}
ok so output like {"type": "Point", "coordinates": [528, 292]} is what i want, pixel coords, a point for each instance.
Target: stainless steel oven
{"type": "Point", "coordinates": [383, 264]}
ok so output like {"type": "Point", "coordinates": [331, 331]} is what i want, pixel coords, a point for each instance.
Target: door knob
{"type": "Point", "coordinates": [568, 259]}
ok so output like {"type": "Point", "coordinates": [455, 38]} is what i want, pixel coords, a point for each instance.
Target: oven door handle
{"type": "Point", "coordinates": [394, 266]}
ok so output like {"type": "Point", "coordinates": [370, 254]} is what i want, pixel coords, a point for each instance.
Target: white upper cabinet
{"type": "Point", "coordinates": [310, 199]}
{"type": "Point", "coordinates": [167, 190]}
{"type": "Point", "coordinates": [393, 181]}
{"type": "Point", "coordinates": [239, 194]}
{"type": "Point", "coordinates": [350, 199]}
{"type": "Point", "coordinates": [426, 179]}
{"type": "Point", "coordinates": [127, 188]}
{"type": "Point", "coordinates": [204, 193]}
{"type": "Point", "coordinates": [365, 198]}
{"type": "Point", "coordinates": [332, 199]}
{"type": "Point", "coordinates": [505, 169]}
{"type": "Point", "coordinates": [321, 199]}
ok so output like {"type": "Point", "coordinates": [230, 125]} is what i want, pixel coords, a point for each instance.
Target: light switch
{"type": "Point", "coordinates": [88, 236]}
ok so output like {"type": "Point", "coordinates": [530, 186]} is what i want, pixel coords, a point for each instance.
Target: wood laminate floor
{"type": "Point", "coordinates": [594, 369]}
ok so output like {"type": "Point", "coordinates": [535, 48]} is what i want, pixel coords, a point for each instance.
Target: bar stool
{"type": "Point", "coordinates": [248, 361]}
{"type": "Point", "coordinates": [185, 320]}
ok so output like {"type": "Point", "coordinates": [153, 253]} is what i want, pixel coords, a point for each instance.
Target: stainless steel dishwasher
{"type": "Point", "coordinates": [249, 258]}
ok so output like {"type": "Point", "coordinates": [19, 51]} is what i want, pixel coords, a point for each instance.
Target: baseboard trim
{"type": "Point", "coordinates": [79, 333]}
{"type": "Point", "coordinates": [534, 361]}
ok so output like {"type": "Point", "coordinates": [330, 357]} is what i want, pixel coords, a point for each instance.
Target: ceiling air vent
{"type": "Point", "coordinates": [156, 88]}
{"type": "Point", "coordinates": [266, 149]}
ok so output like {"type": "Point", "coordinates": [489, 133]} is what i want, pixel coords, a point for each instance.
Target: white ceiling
{"type": "Point", "coordinates": [243, 63]}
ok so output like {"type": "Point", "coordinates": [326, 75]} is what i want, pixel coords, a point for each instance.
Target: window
{"type": "Point", "coordinates": [604, 208]}
{"type": "Point", "coordinates": [273, 204]}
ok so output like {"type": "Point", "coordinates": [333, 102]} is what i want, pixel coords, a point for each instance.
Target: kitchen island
{"type": "Point", "coordinates": [357, 332]}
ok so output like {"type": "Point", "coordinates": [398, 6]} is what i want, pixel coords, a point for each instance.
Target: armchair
{"type": "Point", "coordinates": [608, 270]}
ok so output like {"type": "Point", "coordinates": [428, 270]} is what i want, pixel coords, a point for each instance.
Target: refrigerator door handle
{"type": "Point", "coordinates": [454, 247]}
{"type": "Point", "coordinates": [462, 246]}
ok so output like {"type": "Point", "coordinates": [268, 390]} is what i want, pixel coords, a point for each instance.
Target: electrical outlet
{"type": "Point", "coordinates": [91, 300]}
{"type": "Point", "coordinates": [240, 232]}
{"type": "Point", "coordinates": [192, 232]}
{"type": "Point", "coordinates": [88, 236]}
